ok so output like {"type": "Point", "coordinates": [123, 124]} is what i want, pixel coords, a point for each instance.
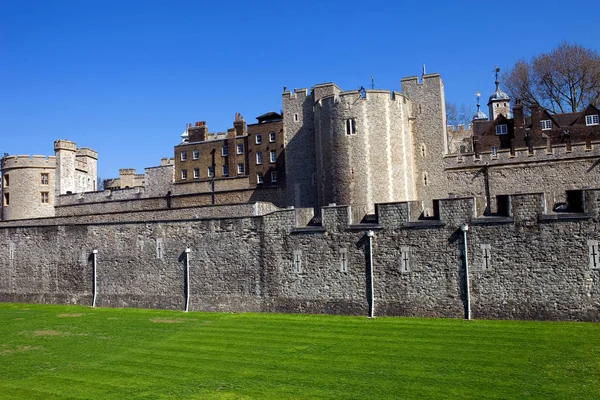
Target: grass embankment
{"type": "Point", "coordinates": [82, 353]}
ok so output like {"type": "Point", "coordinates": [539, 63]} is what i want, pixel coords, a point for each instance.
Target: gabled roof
{"type": "Point", "coordinates": [590, 110]}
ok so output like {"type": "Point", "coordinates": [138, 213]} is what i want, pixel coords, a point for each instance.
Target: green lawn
{"type": "Point", "coordinates": [82, 353]}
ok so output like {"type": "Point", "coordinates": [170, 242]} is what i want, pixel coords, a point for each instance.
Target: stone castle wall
{"type": "Point", "coordinates": [525, 265]}
{"type": "Point", "coordinates": [552, 172]}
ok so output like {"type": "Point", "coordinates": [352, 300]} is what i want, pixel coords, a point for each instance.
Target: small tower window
{"type": "Point", "coordinates": [423, 150]}
{"type": "Point", "coordinates": [425, 179]}
{"type": "Point", "coordinates": [350, 126]}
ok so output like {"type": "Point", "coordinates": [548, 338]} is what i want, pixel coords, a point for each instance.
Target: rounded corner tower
{"type": "Point", "coordinates": [363, 148]}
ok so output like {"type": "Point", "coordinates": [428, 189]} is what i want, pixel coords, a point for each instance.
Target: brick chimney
{"type": "Point", "coordinates": [536, 130]}
{"type": "Point", "coordinates": [239, 125]}
{"type": "Point", "coordinates": [199, 132]}
{"type": "Point", "coordinates": [519, 121]}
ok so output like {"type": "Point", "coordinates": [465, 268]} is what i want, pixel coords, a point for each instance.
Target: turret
{"type": "Point", "coordinates": [499, 102]}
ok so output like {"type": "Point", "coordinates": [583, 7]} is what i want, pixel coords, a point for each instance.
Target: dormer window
{"type": "Point", "coordinates": [546, 124]}
{"type": "Point", "coordinates": [501, 129]}
{"type": "Point", "coordinates": [592, 120]}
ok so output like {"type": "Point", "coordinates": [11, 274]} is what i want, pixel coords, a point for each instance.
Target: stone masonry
{"type": "Point", "coordinates": [525, 265]}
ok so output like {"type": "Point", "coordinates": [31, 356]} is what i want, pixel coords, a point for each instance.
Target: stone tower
{"type": "Point", "coordinates": [430, 141]}
{"type": "Point", "coordinates": [66, 154]}
{"type": "Point", "coordinates": [299, 144]}
{"type": "Point", "coordinates": [499, 102]}
{"type": "Point", "coordinates": [363, 148]}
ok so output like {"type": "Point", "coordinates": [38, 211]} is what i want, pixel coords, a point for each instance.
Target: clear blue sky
{"type": "Point", "coordinates": [124, 77]}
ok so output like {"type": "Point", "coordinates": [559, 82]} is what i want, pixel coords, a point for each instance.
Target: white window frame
{"type": "Point", "coordinates": [211, 172]}
{"type": "Point", "coordinates": [273, 176]}
{"type": "Point", "coordinates": [546, 124]}
{"type": "Point", "coordinates": [225, 170]}
{"type": "Point", "coordinates": [494, 151]}
{"type": "Point", "coordinates": [258, 138]}
{"type": "Point", "coordinates": [259, 157]}
{"type": "Point", "coordinates": [260, 178]}
{"type": "Point", "coordinates": [196, 173]}
{"type": "Point", "coordinates": [183, 156]}
{"type": "Point", "coordinates": [240, 168]}
{"type": "Point", "coordinates": [272, 137]}
{"type": "Point", "coordinates": [240, 148]}
{"type": "Point", "coordinates": [273, 156]}
{"type": "Point", "coordinates": [184, 174]}
{"type": "Point", "coordinates": [501, 129]}
{"type": "Point", "coordinates": [225, 150]}
{"type": "Point", "coordinates": [196, 154]}
{"type": "Point", "coordinates": [593, 119]}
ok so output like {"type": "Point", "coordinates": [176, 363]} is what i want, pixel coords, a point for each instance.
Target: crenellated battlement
{"type": "Point", "coordinates": [65, 145]}
{"type": "Point", "coordinates": [519, 209]}
{"type": "Point", "coordinates": [557, 153]}
{"type": "Point", "coordinates": [297, 94]}
{"type": "Point", "coordinates": [29, 161]}
{"type": "Point", "coordinates": [460, 128]}
{"type": "Point", "coordinates": [87, 152]}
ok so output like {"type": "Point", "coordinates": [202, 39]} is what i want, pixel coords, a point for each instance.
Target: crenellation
{"type": "Point", "coordinates": [336, 218]}
{"type": "Point", "coordinates": [527, 208]}
{"type": "Point", "coordinates": [455, 211]}
{"type": "Point", "coordinates": [270, 262]}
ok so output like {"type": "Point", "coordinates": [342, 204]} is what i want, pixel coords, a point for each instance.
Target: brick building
{"type": "Point", "coordinates": [245, 157]}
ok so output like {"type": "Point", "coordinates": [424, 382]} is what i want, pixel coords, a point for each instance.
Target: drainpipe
{"type": "Point", "coordinates": [464, 228]}
{"type": "Point", "coordinates": [370, 235]}
{"type": "Point", "coordinates": [187, 278]}
{"type": "Point", "coordinates": [94, 266]}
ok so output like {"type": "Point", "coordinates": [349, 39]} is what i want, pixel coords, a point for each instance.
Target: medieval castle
{"type": "Point", "coordinates": [272, 216]}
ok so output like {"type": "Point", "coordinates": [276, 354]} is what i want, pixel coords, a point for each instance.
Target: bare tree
{"type": "Point", "coordinates": [458, 114]}
{"type": "Point", "coordinates": [565, 80]}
